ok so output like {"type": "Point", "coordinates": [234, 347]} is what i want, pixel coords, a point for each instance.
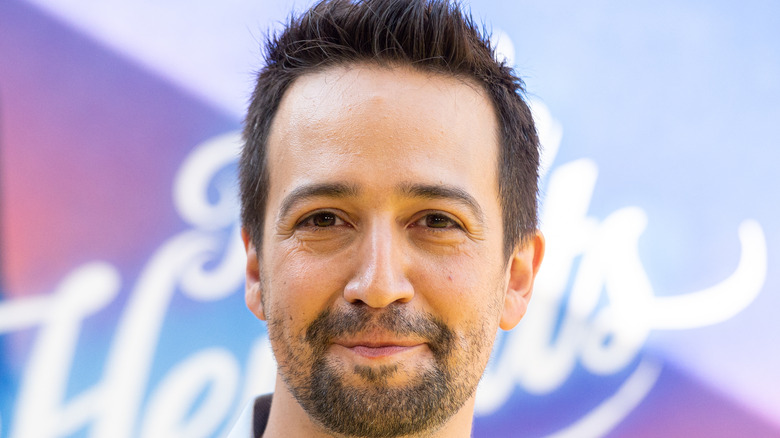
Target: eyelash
{"type": "Point", "coordinates": [307, 222]}
{"type": "Point", "coordinates": [310, 218]}
{"type": "Point", "coordinates": [453, 224]}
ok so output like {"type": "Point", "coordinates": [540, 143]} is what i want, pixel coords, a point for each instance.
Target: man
{"type": "Point", "coordinates": [388, 188]}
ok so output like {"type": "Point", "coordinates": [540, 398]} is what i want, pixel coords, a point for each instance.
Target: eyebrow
{"type": "Point", "coordinates": [323, 190]}
{"type": "Point", "coordinates": [341, 190]}
{"type": "Point", "coordinates": [431, 191]}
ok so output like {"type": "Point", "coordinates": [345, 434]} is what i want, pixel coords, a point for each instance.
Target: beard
{"type": "Point", "coordinates": [377, 409]}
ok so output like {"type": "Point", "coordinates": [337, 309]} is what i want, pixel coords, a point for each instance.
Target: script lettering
{"type": "Point", "coordinates": [593, 305]}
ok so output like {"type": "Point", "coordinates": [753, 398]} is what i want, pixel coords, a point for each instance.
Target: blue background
{"type": "Point", "coordinates": [675, 104]}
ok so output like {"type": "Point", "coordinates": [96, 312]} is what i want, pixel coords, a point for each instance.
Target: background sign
{"type": "Point", "coordinates": [121, 269]}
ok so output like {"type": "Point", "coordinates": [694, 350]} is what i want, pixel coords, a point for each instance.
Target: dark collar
{"type": "Point", "coordinates": [260, 415]}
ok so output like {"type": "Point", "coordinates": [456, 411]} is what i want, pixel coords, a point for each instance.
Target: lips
{"type": "Point", "coordinates": [379, 352]}
{"type": "Point", "coordinates": [373, 347]}
{"type": "Point", "coordinates": [360, 334]}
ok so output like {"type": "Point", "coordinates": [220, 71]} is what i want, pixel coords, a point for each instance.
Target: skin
{"type": "Point", "coordinates": [415, 225]}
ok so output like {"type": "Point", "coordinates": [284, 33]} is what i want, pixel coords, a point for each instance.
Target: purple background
{"type": "Point", "coordinates": [676, 103]}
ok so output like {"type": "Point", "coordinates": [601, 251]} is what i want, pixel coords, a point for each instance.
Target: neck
{"type": "Point", "coordinates": [287, 418]}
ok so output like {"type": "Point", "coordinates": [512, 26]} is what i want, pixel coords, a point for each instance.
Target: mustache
{"type": "Point", "coordinates": [394, 319]}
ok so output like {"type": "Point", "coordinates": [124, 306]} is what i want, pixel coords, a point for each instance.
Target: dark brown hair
{"type": "Point", "coordinates": [430, 35]}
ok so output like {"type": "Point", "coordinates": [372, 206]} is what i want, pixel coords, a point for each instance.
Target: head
{"type": "Point", "coordinates": [389, 201]}
{"type": "Point", "coordinates": [428, 35]}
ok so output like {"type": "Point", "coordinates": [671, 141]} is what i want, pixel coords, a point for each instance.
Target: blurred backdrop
{"type": "Point", "coordinates": [121, 269]}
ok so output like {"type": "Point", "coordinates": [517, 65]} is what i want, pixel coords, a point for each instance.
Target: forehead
{"type": "Point", "coordinates": [368, 125]}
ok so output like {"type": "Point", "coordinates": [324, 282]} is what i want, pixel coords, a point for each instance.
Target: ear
{"type": "Point", "coordinates": [524, 264]}
{"type": "Point", "coordinates": [253, 294]}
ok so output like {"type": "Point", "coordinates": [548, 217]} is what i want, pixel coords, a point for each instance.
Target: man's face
{"type": "Point", "coordinates": [382, 273]}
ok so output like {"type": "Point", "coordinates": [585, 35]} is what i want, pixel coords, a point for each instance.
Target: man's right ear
{"type": "Point", "coordinates": [254, 293]}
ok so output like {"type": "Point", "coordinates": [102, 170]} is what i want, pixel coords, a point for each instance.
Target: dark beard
{"type": "Point", "coordinates": [377, 410]}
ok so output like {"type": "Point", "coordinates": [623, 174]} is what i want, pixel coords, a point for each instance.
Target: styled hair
{"type": "Point", "coordinates": [428, 35]}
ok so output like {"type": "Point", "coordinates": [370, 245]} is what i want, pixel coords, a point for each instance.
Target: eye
{"type": "Point", "coordinates": [322, 219]}
{"type": "Point", "coordinates": [437, 221]}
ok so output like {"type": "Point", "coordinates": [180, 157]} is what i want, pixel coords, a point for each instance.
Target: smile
{"type": "Point", "coordinates": [380, 351]}
{"type": "Point", "coordinates": [374, 350]}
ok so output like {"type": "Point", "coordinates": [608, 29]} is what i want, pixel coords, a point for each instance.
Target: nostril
{"type": "Point", "coordinates": [378, 290]}
{"type": "Point", "coordinates": [380, 276]}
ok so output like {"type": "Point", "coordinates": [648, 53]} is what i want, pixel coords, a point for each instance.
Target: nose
{"type": "Point", "coordinates": [381, 277]}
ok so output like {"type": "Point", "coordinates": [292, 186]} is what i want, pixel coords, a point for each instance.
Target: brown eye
{"type": "Point", "coordinates": [322, 219]}
{"type": "Point", "coordinates": [325, 219]}
{"type": "Point", "coordinates": [438, 221]}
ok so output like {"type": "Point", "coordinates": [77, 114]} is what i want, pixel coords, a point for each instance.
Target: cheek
{"type": "Point", "coordinates": [462, 290]}
{"type": "Point", "coordinates": [302, 285]}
